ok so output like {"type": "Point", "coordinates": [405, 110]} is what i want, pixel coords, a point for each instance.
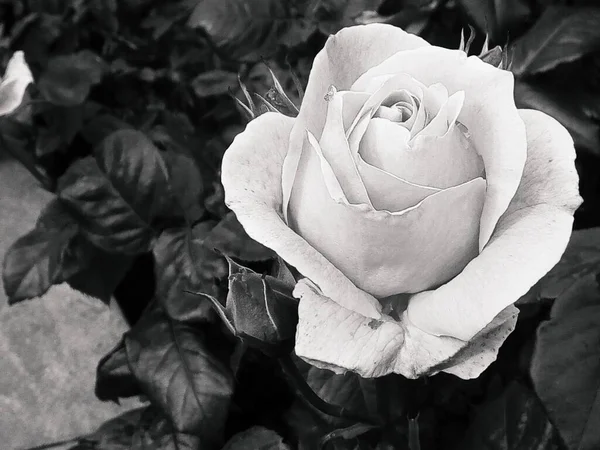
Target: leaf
{"type": "Point", "coordinates": [242, 29]}
{"type": "Point", "coordinates": [581, 259]}
{"type": "Point", "coordinates": [186, 187]}
{"type": "Point", "coordinates": [35, 261]}
{"type": "Point", "coordinates": [214, 82]}
{"type": "Point", "coordinates": [258, 438]}
{"type": "Point", "coordinates": [333, 15]}
{"type": "Point", "coordinates": [515, 421]}
{"type": "Point", "coordinates": [101, 126]}
{"type": "Point", "coordinates": [263, 311]}
{"type": "Point", "coordinates": [566, 366]}
{"type": "Point", "coordinates": [496, 17]}
{"type": "Point", "coordinates": [560, 35]}
{"type": "Point", "coordinates": [117, 196]}
{"type": "Point", "coordinates": [559, 104]}
{"type": "Point", "coordinates": [68, 79]}
{"type": "Point", "coordinates": [156, 432]}
{"type": "Point", "coordinates": [94, 271]}
{"type": "Point", "coordinates": [114, 379]}
{"type": "Point", "coordinates": [230, 239]}
{"type": "Point", "coordinates": [114, 434]}
{"type": "Point", "coordinates": [183, 262]}
{"type": "Point", "coordinates": [177, 371]}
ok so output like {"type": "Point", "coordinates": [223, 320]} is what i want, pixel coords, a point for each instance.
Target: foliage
{"type": "Point", "coordinates": [133, 107]}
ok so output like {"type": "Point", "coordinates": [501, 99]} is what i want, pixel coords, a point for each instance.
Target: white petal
{"type": "Point", "coordinates": [527, 242]}
{"type": "Point", "coordinates": [14, 83]}
{"type": "Point", "coordinates": [251, 176]}
{"type": "Point", "coordinates": [382, 253]}
{"type": "Point", "coordinates": [336, 150]}
{"type": "Point", "coordinates": [489, 113]}
{"type": "Point", "coordinates": [346, 56]}
{"type": "Point", "coordinates": [438, 162]}
{"type": "Point", "coordinates": [375, 348]}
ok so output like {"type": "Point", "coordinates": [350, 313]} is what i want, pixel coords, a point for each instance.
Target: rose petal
{"type": "Point", "coordinates": [383, 253]}
{"type": "Point", "coordinates": [489, 112]}
{"type": "Point", "coordinates": [375, 348]}
{"type": "Point", "coordinates": [438, 162]}
{"type": "Point", "coordinates": [346, 56]}
{"type": "Point", "coordinates": [390, 193]}
{"type": "Point", "coordinates": [16, 79]}
{"type": "Point", "coordinates": [336, 151]}
{"type": "Point", "coordinates": [528, 241]}
{"type": "Point", "coordinates": [446, 116]}
{"type": "Point", "coordinates": [251, 174]}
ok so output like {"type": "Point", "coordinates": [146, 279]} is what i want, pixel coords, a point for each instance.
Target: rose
{"type": "Point", "coordinates": [416, 200]}
{"type": "Point", "coordinates": [12, 86]}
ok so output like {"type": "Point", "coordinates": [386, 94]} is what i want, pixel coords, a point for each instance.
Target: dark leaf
{"type": "Point", "coordinates": [94, 271]}
{"type": "Point", "coordinates": [114, 379]}
{"type": "Point", "coordinates": [101, 126]}
{"type": "Point", "coordinates": [559, 104]}
{"type": "Point", "coordinates": [186, 187]}
{"type": "Point", "coordinates": [184, 263]}
{"type": "Point", "coordinates": [581, 259]}
{"type": "Point", "coordinates": [117, 196]}
{"type": "Point", "coordinates": [515, 421]}
{"type": "Point", "coordinates": [35, 261]}
{"type": "Point", "coordinates": [214, 82]}
{"type": "Point", "coordinates": [560, 35]}
{"type": "Point", "coordinates": [156, 432]}
{"type": "Point", "coordinates": [230, 239]}
{"type": "Point", "coordinates": [68, 79]}
{"type": "Point", "coordinates": [263, 312]}
{"type": "Point", "coordinates": [496, 17]}
{"type": "Point", "coordinates": [115, 434]}
{"type": "Point", "coordinates": [242, 29]}
{"type": "Point", "coordinates": [257, 438]}
{"type": "Point", "coordinates": [566, 368]}
{"type": "Point", "coordinates": [333, 15]}
{"type": "Point", "coordinates": [176, 370]}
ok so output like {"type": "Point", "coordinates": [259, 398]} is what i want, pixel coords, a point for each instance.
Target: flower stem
{"type": "Point", "coordinates": [312, 399]}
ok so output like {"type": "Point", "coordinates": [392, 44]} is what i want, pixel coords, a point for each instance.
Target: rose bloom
{"type": "Point", "coordinates": [14, 83]}
{"type": "Point", "coordinates": [417, 201]}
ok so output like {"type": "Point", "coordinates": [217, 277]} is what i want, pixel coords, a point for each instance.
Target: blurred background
{"type": "Point", "coordinates": [172, 70]}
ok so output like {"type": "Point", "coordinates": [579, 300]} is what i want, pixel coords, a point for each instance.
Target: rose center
{"type": "Point", "coordinates": [398, 107]}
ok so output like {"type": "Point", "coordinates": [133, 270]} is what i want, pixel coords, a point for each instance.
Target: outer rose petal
{"type": "Point", "coordinates": [346, 56]}
{"type": "Point", "coordinates": [375, 348]}
{"type": "Point", "coordinates": [489, 113]}
{"type": "Point", "coordinates": [527, 242]}
{"type": "Point", "coordinates": [15, 81]}
{"type": "Point", "coordinates": [383, 253]}
{"type": "Point", "coordinates": [251, 175]}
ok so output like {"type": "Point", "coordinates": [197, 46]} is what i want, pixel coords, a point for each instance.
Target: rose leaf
{"type": "Point", "coordinates": [256, 437]}
{"type": "Point", "coordinates": [175, 368]}
{"type": "Point", "coordinates": [581, 259]}
{"type": "Point", "coordinates": [114, 379]}
{"type": "Point", "coordinates": [117, 196]}
{"type": "Point", "coordinates": [214, 82]}
{"type": "Point", "coordinates": [560, 35]}
{"type": "Point", "coordinates": [514, 421]}
{"type": "Point", "coordinates": [114, 434]}
{"type": "Point", "coordinates": [156, 431]}
{"type": "Point", "coordinates": [37, 260]}
{"type": "Point", "coordinates": [186, 187]}
{"type": "Point", "coordinates": [68, 79]}
{"type": "Point", "coordinates": [230, 239]}
{"type": "Point", "coordinates": [241, 29]}
{"type": "Point", "coordinates": [566, 369]}
{"type": "Point", "coordinates": [496, 18]}
{"type": "Point", "coordinates": [183, 263]}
